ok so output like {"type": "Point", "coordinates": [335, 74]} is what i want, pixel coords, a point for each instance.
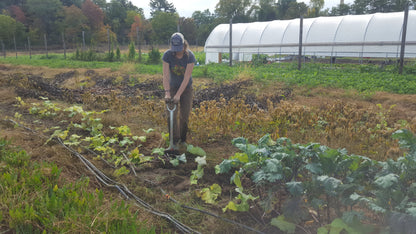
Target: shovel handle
{"type": "Point", "coordinates": [171, 109]}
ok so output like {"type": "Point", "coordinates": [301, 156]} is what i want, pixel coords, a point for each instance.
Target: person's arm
{"type": "Point", "coordinates": [166, 77]}
{"type": "Point", "coordinates": [186, 78]}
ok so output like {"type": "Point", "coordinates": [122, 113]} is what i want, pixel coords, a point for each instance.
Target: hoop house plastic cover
{"type": "Point", "coordinates": [375, 35]}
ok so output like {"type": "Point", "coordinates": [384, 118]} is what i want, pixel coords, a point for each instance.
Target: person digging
{"type": "Point", "coordinates": [178, 64]}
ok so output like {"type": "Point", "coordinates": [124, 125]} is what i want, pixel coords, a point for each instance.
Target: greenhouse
{"type": "Point", "coordinates": [373, 35]}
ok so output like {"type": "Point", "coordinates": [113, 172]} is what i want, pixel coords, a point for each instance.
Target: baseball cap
{"type": "Point", "coordinates": [176, 42]}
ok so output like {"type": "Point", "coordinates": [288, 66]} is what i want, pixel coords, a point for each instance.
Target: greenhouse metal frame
{"type": "Point", "coordinates": [374, 35]}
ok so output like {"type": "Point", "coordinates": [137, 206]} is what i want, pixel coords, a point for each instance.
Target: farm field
{"type": "Point", "coordinates": [271, 150]}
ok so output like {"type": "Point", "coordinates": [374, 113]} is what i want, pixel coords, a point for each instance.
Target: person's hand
{"type": "Point", "coordinates": [176, 99]}
{"type": "Point", "coordinates": [168, 98]}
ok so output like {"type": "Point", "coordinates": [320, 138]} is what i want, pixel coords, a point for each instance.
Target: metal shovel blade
{"type": "Point", "coordinates": [171, 150]}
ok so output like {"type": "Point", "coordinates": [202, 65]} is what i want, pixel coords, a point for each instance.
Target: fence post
{"type": "Point", "coordinates": [300, 42]}
{"type": "Point", "coordinates": [3, 50]}
{"type": "Point", "coordinates": [46, 44]}
{"type": "Point", "coordinates": [138, 43]}
{"type": "Point", "coordinates": [30, 49]}
{"type": "Point", "coordinates": [15, 47]}
{"type": "Point", "coordinates": [63, 42]}
{"type": "Point", "coordinates": [231, 42]}
{"type": "Point", "coordinates": [404, 30]}
{"type": "Point", "coordinates": [108, 39]}
{"type": "Point", "coordinates": [83, 40]}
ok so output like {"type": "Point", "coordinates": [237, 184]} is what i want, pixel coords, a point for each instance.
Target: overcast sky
{"type": "Point", "coordinates": [186, 8]}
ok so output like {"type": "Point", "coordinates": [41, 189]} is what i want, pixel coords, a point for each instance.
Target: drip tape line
{"type": "Point", "coordinates": [111, 183]}
{"type": "Point", "coordinates": [169, 197]}
{"type": "Point", "coordinates": [123, 189]}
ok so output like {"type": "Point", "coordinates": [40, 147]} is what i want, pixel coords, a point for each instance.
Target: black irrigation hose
{"type": "Point", "coordinates": [208, 213]}
{"type": "Point", "coordinates": [129, 195]}
{"type": "Point", "coordinates": [120, 187]}
{"type": "Point", "coordinates": [125, 191]}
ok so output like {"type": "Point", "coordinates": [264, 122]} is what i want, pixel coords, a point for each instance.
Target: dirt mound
{"type": "Point", "coordinates": [239, 90]}
{"type": "Point", "coordinates": [62, 77]}
{"type": "Point", "coordinates": [34, 86]}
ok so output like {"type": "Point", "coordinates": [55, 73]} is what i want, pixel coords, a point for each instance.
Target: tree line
{"type": "Point", "coordinates": [94, 21]}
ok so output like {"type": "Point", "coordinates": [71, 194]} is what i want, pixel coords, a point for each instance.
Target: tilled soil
{"type": "Point", "coordinates": [53, 84]}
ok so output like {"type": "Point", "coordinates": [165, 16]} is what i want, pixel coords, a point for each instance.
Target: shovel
{"type": "Point", "coordinates": [171, 149]}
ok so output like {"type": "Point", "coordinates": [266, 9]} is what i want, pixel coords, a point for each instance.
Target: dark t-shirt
{"type": "Point", "coordinates": [177, 67]}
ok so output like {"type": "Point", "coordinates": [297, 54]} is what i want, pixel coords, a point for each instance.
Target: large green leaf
{"type": "Point", "coordinates": [266, 140]}
{"type": "Point", "coordinates": [196, 150]}
{"type": "Point", "coordinates": [387, 181]}
{"type": "Point", "coordinates": [226, 165]}
{"type": "Point", "coordinates": [262, 152]}
{"type": "Point", "coordinates": [201, 161]}
{"type": "Point", "coordinates": [273, 166]}
{"type": "Point", "coordinates": [330, 184]}
{"type": "Point", "coordinates": [314, 168]}
{"type": "Point", "coordinates": [338, 226]}
{"type": "Point", "coordinates": [411, 211]}
{"type": "Point", "coordinates": [237, 180]}
{"type": "Point", "coordinates": [210, 195]}
{"type": "Point", "coordinates": [242, 157]}
{"type": "Point", "coordinates": [197, 174]}
{"type": "Point", "coordinates": [406, 140]}
{"type": "Point", "coordinates": [259, 176]}
{"type": "Point", "coordinates": [283, 225]}
{"type": "Point", "coordinates": [273, 177]}
{"type": "Point", "coordinates": [239, 140]}
{"type": "Point", "coordinates": [295, 188]}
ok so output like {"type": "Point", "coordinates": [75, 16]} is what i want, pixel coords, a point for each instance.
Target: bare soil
{"type": "Point", "coordinates": [59, 85]}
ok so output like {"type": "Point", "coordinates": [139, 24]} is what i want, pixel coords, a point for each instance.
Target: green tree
{"type": "Point", "coordinates": [341, 9]}
{"type": "Point", "coordinates": [290, 9]}
{"type": "Point", "coordinates": [161, 5]}
{"type": "Point", "coordinates": [147, 31]}
{"type": "Point", "coordinates": [164, 25]}
{"type": "Point", "coordinates": [131, 15]}
{"type": "Point", "coordinates": [315, 7]}
{"type": "Point", "coordinates": [188, 29]}
{"type": "Point", "coordinates": [46, 15]}
{"type": "Point", "coordinates": [10, 28]}
{"type": "Point", "coordinates": [205, 23]}
{"type": "Point", "coordinates": [69, 3]}
{"type": "Point", "coordinates": [373, 6]}
{"type": "Point", "coordinates": [233, 9]}
{"type": "Point", "coordinates": [132, 51]}
{"type": "Point", "coordinates": [4, 4]}
{"type": "Point", "coordinates": [116, 14]}
{"type": "Point", "coordinates": [17, 13]}
{"type": "Point", "coordinates": [267, 10]}
{"type": "Point", "coordinates": [74, 23]}
{"type": "Point", "coordinates": [101, 3]}
{"type": "Point", "coordinates": [136, 24]}
{"type": "Point", "coordinates": [94, 14]}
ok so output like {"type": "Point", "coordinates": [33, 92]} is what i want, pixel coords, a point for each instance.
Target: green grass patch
{"type": "Point", "coordinates": [58, 61]}
{"type": "Point", "coordinates": [363, 78]}
{"type": "Point", "coordinates": [35, 199]}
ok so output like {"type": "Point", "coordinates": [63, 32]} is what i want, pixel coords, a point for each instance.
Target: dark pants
{"type": "Point", "coordinates": [183, 110]}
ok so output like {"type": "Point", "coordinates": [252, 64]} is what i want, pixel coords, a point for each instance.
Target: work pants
{"type": "Point", "coordinates": [183, 110]}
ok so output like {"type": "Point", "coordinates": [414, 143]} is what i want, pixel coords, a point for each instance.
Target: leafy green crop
{"type": "Point", "coordinates": [323, 180]}
{"type": "Point", "coordinates": [209, 195]}
{"type": "Point", "coordinates": [35, 199]}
